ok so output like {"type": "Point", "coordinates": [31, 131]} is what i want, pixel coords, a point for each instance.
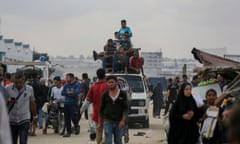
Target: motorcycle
{"type": "Point", "coordinates": [55, 118]}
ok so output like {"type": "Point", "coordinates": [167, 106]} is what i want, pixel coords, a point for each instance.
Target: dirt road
{"type": "Point", "coordinates": [154, 135]}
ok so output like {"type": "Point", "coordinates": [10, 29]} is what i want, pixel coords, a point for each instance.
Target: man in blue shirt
{"type": "Point", "coordinates": [71, 91]}
{"type": "Point", "coordinates": [124, 31]}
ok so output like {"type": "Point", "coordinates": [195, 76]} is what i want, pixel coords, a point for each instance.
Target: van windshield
{"type": "Point", "coordinates": [135, 82]}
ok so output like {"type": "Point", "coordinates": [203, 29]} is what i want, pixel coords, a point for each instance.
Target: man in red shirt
{"type": "Point", "coordinates": [94, 95]}
{"type": "Point", "coordinates": [7, 79]}
{"type": "Point", "coordinates": [135, 63]}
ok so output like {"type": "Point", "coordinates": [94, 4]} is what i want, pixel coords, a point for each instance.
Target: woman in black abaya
{"type": "Point", "coordinates": [183, 118]}
{"type": "Point", "coordinates": [157, 100]}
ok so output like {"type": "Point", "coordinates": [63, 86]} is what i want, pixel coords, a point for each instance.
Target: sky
{"type": "Point", "coordinates": [76, 27]}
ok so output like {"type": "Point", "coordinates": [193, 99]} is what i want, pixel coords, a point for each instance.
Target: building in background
{"type": "Point", "coordinates": [76, 65]}
{"type": "Point", "coordinates": [152, 63]}
{"type": "Point", "coordinates": [155, 65]}
{"type": "Point", "coordinates": [14, 51]}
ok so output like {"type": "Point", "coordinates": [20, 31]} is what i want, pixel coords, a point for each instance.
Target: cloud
{"type": "Point", "coordinates": [73, 27]}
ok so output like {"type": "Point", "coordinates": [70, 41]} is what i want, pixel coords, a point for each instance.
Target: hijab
{"type": "Point", "coordinates": [185, 103]}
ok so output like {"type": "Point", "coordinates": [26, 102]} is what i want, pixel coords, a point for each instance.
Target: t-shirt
{"type": "Point", "coordinates": [122, 58]}
{"type": "Point", "coordinates": [7, 82]}
{"type": "Point", "coordinates": [20, 112]}
{"type": "Point", "coordinates": [110, 49]}
{"type": "Point", "coordinates": [123, 30]}
{"type": "Point", "coordinates": [173, 88]}
{"type": "Point", "coordinates": [94, 95]}
{"type": "Point", "coordinates": [56, 93]}
{"type": "Point", "coordinates": [136, 62]}
{"type": "Point", "coordinates": [74, 88]}
{"type": "Point", "coordinates": [85, 87]}
{"type": "Point", "coordinates": [37, 89]}
{"type": "Point", "coordinates": [113, 108]}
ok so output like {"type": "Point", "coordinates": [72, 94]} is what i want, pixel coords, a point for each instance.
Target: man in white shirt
{"type": "Point", "coordinates": [56, 94]}
{"type": "Point", "coordinates": [21, 96]}
{"type": "Point", "coordinates": [56, 98]}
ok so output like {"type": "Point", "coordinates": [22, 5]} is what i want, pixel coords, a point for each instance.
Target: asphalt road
{"type": "Point", "coordinates": [154, 135]}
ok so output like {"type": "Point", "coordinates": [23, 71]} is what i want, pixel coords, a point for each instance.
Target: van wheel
{"type": "Point", "coordinates": [146, 123]}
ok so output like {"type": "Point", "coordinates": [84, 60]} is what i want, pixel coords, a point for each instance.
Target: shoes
{"type": "Point", "coordinates": [44, 131]}
{"type": "Point", "coordinates": [67, 135]}
{"type": "Point", "coordinates": [77, 130]}
{"type": "Point", "coordinates": [55, 131]}
{"type": "Point", "coordinates": [33, 134]}
{"type": "Point", "coordinates": [92, 136]}
{"type": "Point", "coordinates": [62, 133]}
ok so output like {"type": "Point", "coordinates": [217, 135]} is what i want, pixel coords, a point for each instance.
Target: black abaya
{"type": "Point", "coordinates": [157, 100]}
{"type": "Point", "coordinates": [183, 131]}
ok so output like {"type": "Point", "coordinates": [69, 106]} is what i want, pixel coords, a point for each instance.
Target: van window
{"type": "Point", "coordinates": [135, 82]}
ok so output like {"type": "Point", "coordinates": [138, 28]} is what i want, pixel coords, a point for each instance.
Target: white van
{"type": "Point", "coordinates": [140, 98]}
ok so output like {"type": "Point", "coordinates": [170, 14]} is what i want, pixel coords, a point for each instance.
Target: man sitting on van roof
{"type": "Point", "coordinates": [136, 63]}
{"type": "Point", "coordinates": [109, 54]}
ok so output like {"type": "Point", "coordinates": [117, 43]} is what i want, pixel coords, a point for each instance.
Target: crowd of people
{"type": "Point", "coordinates": [73, 97]}
{"type": "Point", "coordinates": [118, 53]}
{"type": "Point", "coordinates": [194, 120]}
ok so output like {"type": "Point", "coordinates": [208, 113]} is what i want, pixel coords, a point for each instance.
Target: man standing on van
{"type": "Point", "coordinates": [136, 64]}
{"type": "Point", "coordinates": [113, 111]}
{"type": "Point", "coordinates": [20, 97]}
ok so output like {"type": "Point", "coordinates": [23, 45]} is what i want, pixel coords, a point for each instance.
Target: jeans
{"type": "Point", "coordinates": [21, 131]}
{"type": "Point", "coordinates": [112, 128]}
{"type": "Point", "coordinates": [79, 116]}
{"type": "Point", "coordinates": [40, 117]}
{"type": "Point", "coordinates": [70, 113]}
{"type": "Point", "coordinates": [112, 59]}
{"type": "Point", "coordinates": [91, 123]}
